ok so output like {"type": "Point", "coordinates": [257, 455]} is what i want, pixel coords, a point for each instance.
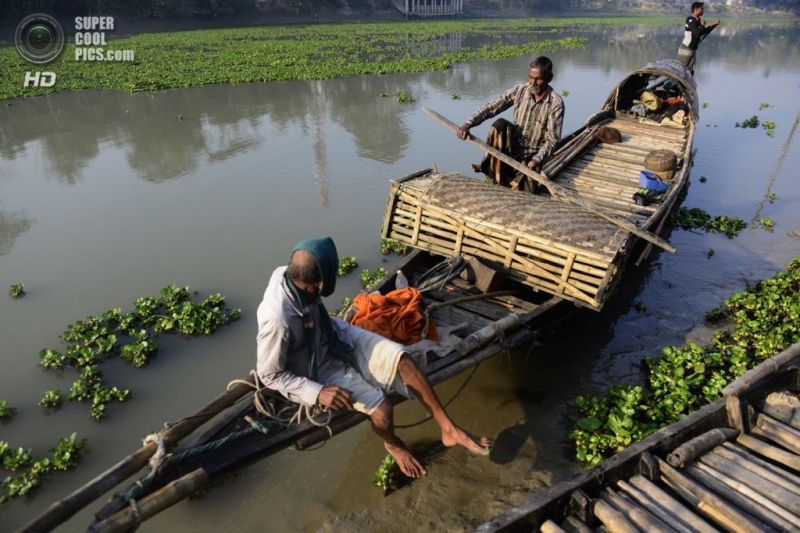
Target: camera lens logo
{"type": "Point", "coordinates": [39, 38]}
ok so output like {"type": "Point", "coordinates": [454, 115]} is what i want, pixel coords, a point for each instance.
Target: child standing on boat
{"type": "Point", "coordinates": [312, 358]}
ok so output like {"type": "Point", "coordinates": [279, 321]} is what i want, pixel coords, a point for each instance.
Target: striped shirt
{"type": "Point", "coordinates": [538, 123]}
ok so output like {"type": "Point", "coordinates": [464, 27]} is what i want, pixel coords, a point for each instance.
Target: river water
{"type": "Point", "coordinates": [108, 196]}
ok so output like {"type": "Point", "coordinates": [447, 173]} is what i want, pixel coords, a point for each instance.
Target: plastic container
{"type": "Point", "coordinates": [652, 181]}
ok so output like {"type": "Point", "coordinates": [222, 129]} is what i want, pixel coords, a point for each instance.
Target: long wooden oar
{"type": "Point", "coordinates": [556, 190]}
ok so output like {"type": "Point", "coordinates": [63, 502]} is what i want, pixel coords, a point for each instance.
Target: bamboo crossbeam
{"type": "Point", "coordinates": [688, 451]}
{"type": "Point", "coordinates": [523, 260]}
{"type": "Point", "coordinates": [556, 191]}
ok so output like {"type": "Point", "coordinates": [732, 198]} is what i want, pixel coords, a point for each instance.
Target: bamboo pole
{"type": "Point", "coordinates": [735, 471]}
{"type": "Point", "coordinates": [576, 525]}
{"type": "Point", "coordinates": [614, 520]}
{"type": "Point", "coordinates": [784, 435]}
{"type": "Point", "coordinates": [745, 497]}
{"type": "Point", "coordinates": [686, 515]}
{"type": "Point", "coordinates": [688, 451]}
{"type": "Point", "coordinates": [556, 190]}
{"type": "Point", "coordinates": [551, 527]}
{"type": "Point", "coordinates": [708, 503]}
{"type": "Point", "coordinates": [774, 364]}
{"type": "Point", "coordinates": [638, 516]}
{"type": "Point", "coordinates": [485, 335]}
{"type": "Point", "coordinates": [653, 506]}
{"type": "Point", "coordinates": [762, 469]}
{"type": "Point", "coordinates": [760, 447]}
{"type": "Point", "coordinates": [62, 510]}
{"type": "Point", "coordinates": [129, 518]}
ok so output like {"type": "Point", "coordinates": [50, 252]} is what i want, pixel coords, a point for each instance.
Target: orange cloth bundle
{"type": "Point", "coordinates": [396, 315]}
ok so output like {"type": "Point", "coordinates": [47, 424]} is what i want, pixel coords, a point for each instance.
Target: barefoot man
{"type": "Point", "coordinates": [312, 358]}
{"type": "Point", "coordinates": [534, 134]}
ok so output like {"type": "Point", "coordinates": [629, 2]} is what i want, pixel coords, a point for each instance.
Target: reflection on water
{"type": "Point", "coordinates": [12, 226]}
{"type": "Point", "coordinates": [108, 196]}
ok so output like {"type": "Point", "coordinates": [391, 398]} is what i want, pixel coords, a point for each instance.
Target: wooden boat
{"type": "Point", "coordinates": [733, 465]}
{"type": "Point", "coordinates": [545, 272]}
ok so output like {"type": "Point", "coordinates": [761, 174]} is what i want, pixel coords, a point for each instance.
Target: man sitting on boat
{"type": "Point", "coordinates": [312, 358]}
{"type": "Point", "coordinates": [538, 118]}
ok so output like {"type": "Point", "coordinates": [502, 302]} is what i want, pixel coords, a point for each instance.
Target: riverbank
{"type": "Point", "coordinates": [147, 62]}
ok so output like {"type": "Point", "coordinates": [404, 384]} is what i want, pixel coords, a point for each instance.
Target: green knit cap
{"type": "Point", "coordinates": [324, 251]}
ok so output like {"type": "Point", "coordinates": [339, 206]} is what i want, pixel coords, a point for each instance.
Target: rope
{"type": "Point", "coordinates": [311, 412]}
{"type": "Point", "coordinates": [161, 452]}
{"type": "Point", "coordinates": [457, 393]}
{"type": "Point", "coordinates": [282, 418]}
{"type": "Point", "coordinates": [137, 514]}
{"type": "Point", "coordinates": [436, 277]}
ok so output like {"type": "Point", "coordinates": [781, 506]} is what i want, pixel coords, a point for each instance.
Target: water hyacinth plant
{"type": "Point", "coordinates": [32, 471]}
{"type": "Point", "coordinates": [128, 336]}
{"type": "Point", "coordinates": [16, 290]}
{"type": "Point", "coordinates": [764, 320]}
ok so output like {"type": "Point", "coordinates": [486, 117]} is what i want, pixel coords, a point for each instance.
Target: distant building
{"type": "Point", "coordinates": [431, 8]}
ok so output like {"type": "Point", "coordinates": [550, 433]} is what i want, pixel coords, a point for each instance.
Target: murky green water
{"type": "Point", "coordinates": [106, 196]}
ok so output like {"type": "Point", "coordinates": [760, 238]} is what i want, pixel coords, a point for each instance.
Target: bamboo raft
{"type": "Point", "coordinates": [228, 432]}
{"type": "Point", "coordinates": [734, 465]}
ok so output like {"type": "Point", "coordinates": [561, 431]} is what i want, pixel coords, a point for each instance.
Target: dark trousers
{"type": "Point", "coordinates": [503, 137]}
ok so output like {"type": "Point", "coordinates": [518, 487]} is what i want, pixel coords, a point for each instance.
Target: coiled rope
{"type": "Point", "coordinates": [287, 415]}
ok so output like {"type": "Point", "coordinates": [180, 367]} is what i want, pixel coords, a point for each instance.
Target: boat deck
{"type": "Point", "coordinates": [608, 174]}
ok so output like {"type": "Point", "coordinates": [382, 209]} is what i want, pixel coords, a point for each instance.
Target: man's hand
{"type": "Point", "coordinates": [716, 22]}
{"type": "Point", "coordinates": [463, 132]}
{"type": "Point", "coordinates": [533, 163]}
{"type": "Point", "coordinates": [335, 397]}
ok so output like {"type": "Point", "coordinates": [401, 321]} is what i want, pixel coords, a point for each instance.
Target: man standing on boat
{"type": "Point", "coordinates": [538, 118]}
{"type": "Point", "coordinates": [312, 358]}
{"type": "Point", "coordinates": [694, 31]}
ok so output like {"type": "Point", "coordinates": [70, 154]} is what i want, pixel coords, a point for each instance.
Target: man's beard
{"type": "Point", "coordinates": [538, 90]}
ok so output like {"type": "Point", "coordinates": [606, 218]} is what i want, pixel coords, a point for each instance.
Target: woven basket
{"type": "Point", "coordinates": [662, 162]}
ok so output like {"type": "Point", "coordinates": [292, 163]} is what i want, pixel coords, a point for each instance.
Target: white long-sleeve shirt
{"type": "Point", "coordinates": [283, 357]}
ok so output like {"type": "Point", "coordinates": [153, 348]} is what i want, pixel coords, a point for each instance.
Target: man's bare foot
{"type": "Point", "coordinates": [475, 168]}
{"type": "Point", "coordinates": [408, 463]}
{"type": "Point", "coordinates": [477, 445]}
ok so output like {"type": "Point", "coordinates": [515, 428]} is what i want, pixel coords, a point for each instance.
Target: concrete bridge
{"type": "Point", "coordinates": [429, 8]}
